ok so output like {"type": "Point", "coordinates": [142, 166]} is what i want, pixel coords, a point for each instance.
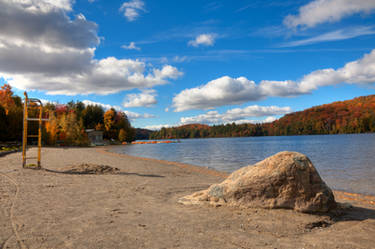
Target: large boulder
{"type": "Point", "coordinates": [285, 180]}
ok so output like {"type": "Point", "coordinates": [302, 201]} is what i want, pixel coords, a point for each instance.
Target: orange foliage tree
{"type": "Point", "coordinates": [6, 98]}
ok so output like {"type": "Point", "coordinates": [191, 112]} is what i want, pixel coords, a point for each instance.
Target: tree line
{"type": "Point", "coordinates": [342, 117]}
{"type": "Point", "coordinates": [67, 123]}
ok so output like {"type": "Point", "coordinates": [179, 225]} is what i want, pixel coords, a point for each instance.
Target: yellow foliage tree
{"type": "Point", "coordinates": [122, 135]}
{"type": "Point", "coordinates": [109, 119]}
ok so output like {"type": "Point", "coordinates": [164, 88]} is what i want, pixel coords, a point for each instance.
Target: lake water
{"type": "Point", "coordinates": [345, 162]}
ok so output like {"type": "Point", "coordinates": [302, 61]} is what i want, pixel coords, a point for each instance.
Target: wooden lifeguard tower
{"type": "Point", "coordinates": [36, 104]}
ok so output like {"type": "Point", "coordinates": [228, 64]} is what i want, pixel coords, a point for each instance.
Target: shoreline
{"type": "Point", "coordinates": [357, 198]}
{"type": "Point", "coordinates": [195, 168]}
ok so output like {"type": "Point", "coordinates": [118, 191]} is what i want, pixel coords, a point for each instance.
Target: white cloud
{"type": "Point", "coordinates": [45, 24]}
{"type": "Point", "coordinates": [105, 76]}
{"type": "Point", "coordinates": [321, 11]}
{"type": "Point", "coordinates": [34, 6]}
{"type": "Point", "coordinates": [135, 115]}
{"type": "Point", "coordinates": [131, 115]}
{"type": "Point", "coordinates": [230, 91]}
{"type": "Point", "coordinates": [255, 121]}
{"type": "Point", "coordinates": [203, 40]}
{"type": "Point", "coordinates": [104, 106]}
{"type": "Point", "coordinates": [42, 48]}
{"type": "Point", "coordinates": [158, 127]}
{"type": "Point", "coordinates": [131, 46]}
{"type": "Point", "coordinates": [167, 72]}
{"type": "Point", "coordinates": [336, 35]}
{"type": "Point", "coordinates": [145, 99]}
{"type": "Point", "coordinates": [46, 101]}
{"type": "Point", "coordinates": [269, 119]}
{"type": "Point", "coordinates": [132, 8]}
{"type": "Point", "coordinates": [237, 115]}
{"type": "Point", "coordinates": [180, 59]}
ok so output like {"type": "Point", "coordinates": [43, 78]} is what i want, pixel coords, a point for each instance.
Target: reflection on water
{"type": "Point", "coordinates": [345, 162]}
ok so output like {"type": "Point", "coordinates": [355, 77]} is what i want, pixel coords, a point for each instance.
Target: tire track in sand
{"type": "Point", "coordinates": [14, 226]}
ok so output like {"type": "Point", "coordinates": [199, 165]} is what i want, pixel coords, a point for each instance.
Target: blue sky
{"type": "Point", "coordinates": [179, 62]}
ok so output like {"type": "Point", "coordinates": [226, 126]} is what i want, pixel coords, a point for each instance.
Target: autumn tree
{"type": "Point", "coordinates": [51, 129]}
{"type": "Point", "coordinates": [12, 106]}
{"type": "Point", "coordinates": [109, 122]}
{"type": "Point", "coordinates": [6, 98]}
{"type": "Point", "coordinates": [73, 130]}
{"type": "Point", "coordinates": [3, 124]}
{"type": "Point", "coordinates": [122, 135]}
{"type": "Point", "coordinates": [114, 122]}
{"type": "Point", "coordinates": [92, 115]}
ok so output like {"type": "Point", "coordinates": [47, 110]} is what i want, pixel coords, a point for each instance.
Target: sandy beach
{"type": "Point", "coordinates": [137, 208]}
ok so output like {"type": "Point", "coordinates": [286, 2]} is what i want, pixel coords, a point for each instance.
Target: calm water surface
{"type": "Point", "coordinates": [345, 162]}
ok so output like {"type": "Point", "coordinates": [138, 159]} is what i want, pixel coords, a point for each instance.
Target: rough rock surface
{"type": "Point", "coordinates": [284, 180]}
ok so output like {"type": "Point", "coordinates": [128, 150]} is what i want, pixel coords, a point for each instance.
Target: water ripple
{"type": "Point", "coordinates": [345, 162]}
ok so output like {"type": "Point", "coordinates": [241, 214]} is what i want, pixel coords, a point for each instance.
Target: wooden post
{"type": "Point", "coordinates": [24, 135]}
{"type": "Point", "coordinates": [40, 134]}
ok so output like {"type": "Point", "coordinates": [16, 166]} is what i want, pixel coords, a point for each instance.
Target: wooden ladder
{"type": "Point", "coordinates": [36, 104]}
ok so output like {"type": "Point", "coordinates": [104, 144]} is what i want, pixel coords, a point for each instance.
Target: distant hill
{"type": "Point", "coordinates": [195, 126]}
{"type": "Point", "coordinates": [142, 134]}
{"type": "Point", "coordinates": [350, 116]}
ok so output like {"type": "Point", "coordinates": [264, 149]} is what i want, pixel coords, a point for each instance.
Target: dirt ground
{"type": "Point", "coordinates": [136, 207]}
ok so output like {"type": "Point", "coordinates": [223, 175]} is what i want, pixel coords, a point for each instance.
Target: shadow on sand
{"type": "Point", "coordinates": [68, 172]}
{"type": "Point", "coordinates": [355, 213]}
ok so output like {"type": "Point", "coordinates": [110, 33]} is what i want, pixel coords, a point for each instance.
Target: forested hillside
{"type": "Point", "coordinates": [67, 122]}
{"type": "Point", "coordinates": [351, 116]}
{"type": "Point", "coordinates": [142, 134]}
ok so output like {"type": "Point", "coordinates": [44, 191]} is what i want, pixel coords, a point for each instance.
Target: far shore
{"type": "Point", "coordinates": [138, 208]}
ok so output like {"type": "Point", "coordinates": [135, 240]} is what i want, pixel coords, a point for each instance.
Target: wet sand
{"type": "Point", "coordinates": [137, 208]}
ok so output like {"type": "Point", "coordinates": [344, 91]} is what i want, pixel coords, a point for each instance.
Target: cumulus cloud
{"type": "Point", "coordinates": [46, 101]}
{"type": "Point", "coordinates": [341, 34]}
{"type": "Point", "coordinates": [230, 91]}
{"type": "Point", "coordinates": [167, 72]}
{"type": "Point", "coordinates": [211, 118]}
{"type": "Point", "coordinates": [145, 99]}
{"type": "Point", "coordinates": [255, 121]}
{"type": "Point", "coordinates": [203, 40]}
{"type": "Point", "coordinates": [135, 115]}
{"type": "Point", "coordinates": [237, 115]}
{"type": "Point", "coordinates": [321, 11]}
{"type": "Point", "coordinates": [131, 115]}
{"type": "Point", "coordinates": [104, 106]}
{"type": "Point", "coordinates": [42, 48]}
{"type": "Point", "coordinates": [269, 119]}
{"type": "Point", "coordinates": [106, 76]}
{"type": "Point", "coordinates": [158, 127]}
{"type": "Point", "coordinates": [45, 23]}
{"type": "Point", "coordinates": [132, 9]}
{"type": "Point", "coordinates": [43, 5]}
{"type": "Point", "coordinates": [131, 46]}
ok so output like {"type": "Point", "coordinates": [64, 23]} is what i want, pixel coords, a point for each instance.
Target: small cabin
{"type": "Point", "coordinates": [95, 137]}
